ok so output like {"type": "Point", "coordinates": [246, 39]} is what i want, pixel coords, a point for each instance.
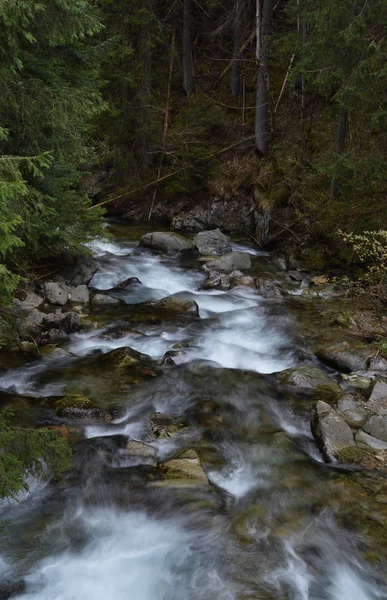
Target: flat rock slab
{"type": "Point", "coordinates": [183, 471]}
{"type": "Point", "coordinates": [309, 378]}
{"type": "Point", "coordinates": [233, 261]}
{"type": "Point", "coordinates": [168, 242]}
{"type": "Point", "coordinates": [368, 442]}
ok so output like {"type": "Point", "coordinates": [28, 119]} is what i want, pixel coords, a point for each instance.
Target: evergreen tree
{"type": "Point", "coordinates": [50, 93]}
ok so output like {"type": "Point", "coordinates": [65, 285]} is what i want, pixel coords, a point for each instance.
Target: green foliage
{"type": "Point", "coordinates": [28, 452]}
{"type": "Point", "coordinates": [50, 93]}
{"type": "Point", "coordinates": [370, 250]}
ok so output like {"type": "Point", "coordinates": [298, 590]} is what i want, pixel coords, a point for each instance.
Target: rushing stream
{"type": "Point", "coordinates": [275, 523]}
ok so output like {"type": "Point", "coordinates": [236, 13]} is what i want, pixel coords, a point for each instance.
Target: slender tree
{"type": "Point", "coordinates": [236, 59]}
{"type": "Point", "coordinates": [188, 77]}
{"type": "Point", "coordinates": [264, 11]}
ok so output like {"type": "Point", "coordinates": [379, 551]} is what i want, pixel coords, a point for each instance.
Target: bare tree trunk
{"type": "Point", "coordinates": [341, 135]}
{"type": "Point", "coordinates": [236, 58]}
{"type": "Point", "coordinates": [188, 79]}
{"type": "Point", "coordinates": [263, 31]}
{"type": "Point", "coordinates": [145, 93]}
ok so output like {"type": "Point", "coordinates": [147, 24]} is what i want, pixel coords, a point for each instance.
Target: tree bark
{"type": "Point", "coordinates": [236, 64]}
{"type": "Point", "coordinates": [145, 93]}
{"type": "Point", "coordinates": [341, 135]}
{"type": "Point", "coordinates": [188, 78]}
{"type": "Point", "coordinates": [263, 31]}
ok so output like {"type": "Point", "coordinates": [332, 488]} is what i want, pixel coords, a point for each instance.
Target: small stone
{"type": "Point", "coordinates": [163, 426]}
{"type": "Point", "coordinates": [104, 300]}
{"type": "Point", "coordinates": [377, 402]}
{"type": "Point", "coordinates": [366, 441]}
{"type": "Point", "coordinates": [80, 294]}
{"type": "Point", "coordinates": [30, 302]}
{"type": "Point", "coordinates": [377, 427]}
{"type": "Point", "coordinates": [352, 411]}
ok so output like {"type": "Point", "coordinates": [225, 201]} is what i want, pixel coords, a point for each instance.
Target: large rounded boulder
{"type": "Point", "coordinates": [212, 242]}
{"type": "Point", "coordinates": [167, 241]}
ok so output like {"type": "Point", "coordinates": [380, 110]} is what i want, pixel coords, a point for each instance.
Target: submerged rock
{"type": "Point", "coordinates": [163, 426]}
{"type": "Point", "coordinates": [212, 242]}
{"type": "Point", "coordinates": [270, 290]}
{"type": "Point", "coordinates": [309, 378]}
{"type": "Point", "coordinates": [140, 452]}
{"type": "Point", "coordinates": [233, 261]}
{"type": "Point", "coordinates": [237, 278]}
{"type": "Point", "coordinates": [167, 241]}
{"type": "Point", "coordinates": [184, 470]}
{"type": "Point", "coordinates": [176, 304]}
{"type": "Point", "coordinates": [331, 431]}
{"type": "Point", "coordinates": [131, 281]}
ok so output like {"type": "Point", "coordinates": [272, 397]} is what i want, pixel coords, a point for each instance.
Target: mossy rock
{"type": "Point", "coordinates": [79, 407]}
{"type": "Point", "coordinates": [309, 379]}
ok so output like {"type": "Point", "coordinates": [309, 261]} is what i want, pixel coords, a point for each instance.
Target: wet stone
{"type": "Point", "coordinates": [185, 470]}
{"type": "Point", "coordinates": [140, 452]}
{"type": "Point", "coordinates": [377, 427]}
{"type": "Point", "coordinates": [163, 426]}
{"type": "Point", "coordinates": [309, 378]}
{"type": "Point", "coordinates": [233, 261]}
{"type": "Point", "coordinates": [167, 242]}
{"type": "Point", "coordinates": [352, 411]}
{"type": "Point", "coordinates": [331, 431]}
{"type": "Point", "coordinates": [364, 440]}
{"type": "Point", "coordinates": [377, 402]}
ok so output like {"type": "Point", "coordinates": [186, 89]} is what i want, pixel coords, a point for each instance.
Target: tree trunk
{"type": "Point", "coordinates": [188, 82]}
{"type": "Point", "coordinates": [263, 31]}
{"type": "Point", "coordinates": [341, 134]}
{"type": "Point", "coordinates": [145, 94]}
{"type": "Point", "coordinates": [236, 64]}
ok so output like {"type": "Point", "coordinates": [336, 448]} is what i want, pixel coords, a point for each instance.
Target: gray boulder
{"type": "Point", "coordinates": [237, 278]}
{"type": "Point", "coordinates": [212, 242]}
{"type": "Point", "coordinates": [233, 261]}
{"type": "Point", "coordinates": [167, 241]}
{"type": "Point", "coordinates": [331, 431]}
{"type": "Point", "coordinates": [347, 359]}
{"type": "Point", "coordinates": [309, 378]}
{"type": "Point", "coordinates": [30, 302]}
{"type": "Point", "coordinates": [368, 442]}
{"type": "Point", "coordinates": [80, 294]}
{"type": "Point", "coordinates": [56, 293]}
{"type": "Point", "coordinates": [217, 280]}
{"type": "Point", "coordinates": [270, 290]}
{"type": "Point", "coordinates": [377, 402]}
{"type": "Point", "coordinates": [176, 304]}
{"type": "Point", "coordinates": [352, 411]}
{"type": "Point", "coordinates": [103, 300]}
{"type": "Point", "coordinates": [377, 427]}
{"type": "Point", "coordinates": [66, 322]}
{"type": "Point", "coordinates": [79, 270]}
{"type": "Point", "coordinates": [35, 317]}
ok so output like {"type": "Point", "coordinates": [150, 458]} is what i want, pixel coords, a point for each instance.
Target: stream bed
{"type": "Point", "coordinates": [269, 521]}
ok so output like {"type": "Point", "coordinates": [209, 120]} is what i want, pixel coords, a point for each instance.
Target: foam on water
{"type": "Point", "coordinates": [128, 556]}
{"type": "Point", "coordinates": [101, 246]}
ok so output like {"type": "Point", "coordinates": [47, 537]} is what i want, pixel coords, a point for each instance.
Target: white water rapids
{"type": "Point", "coordinates": [147, 544]}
